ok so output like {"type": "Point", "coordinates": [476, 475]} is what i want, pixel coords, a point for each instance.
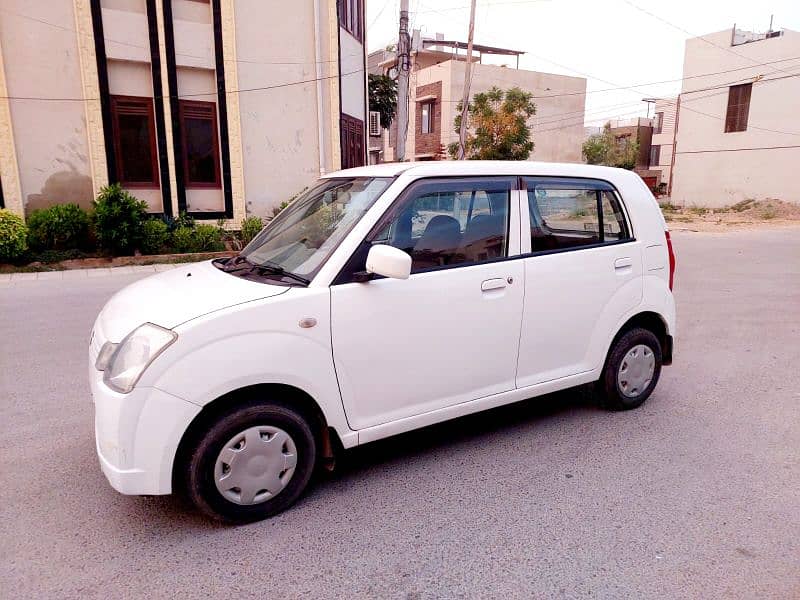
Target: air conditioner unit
{"type": "Point", "coordinates": [374, 123]}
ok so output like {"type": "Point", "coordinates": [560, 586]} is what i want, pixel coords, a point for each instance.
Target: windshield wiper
{"type": "Point", "coordinates": [233, 264]}
{"type": "Point", "coordinates": [276, 269]}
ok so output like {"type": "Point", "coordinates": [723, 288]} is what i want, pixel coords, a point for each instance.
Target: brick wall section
{"type": "Point", "coordinates": [429, 143]}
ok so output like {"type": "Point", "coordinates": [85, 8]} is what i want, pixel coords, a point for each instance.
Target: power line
{"type": "Point", "coordinates": [686, 31]}
{"type": "Point", "coordinates": [378, 16]}
{"type": "Point", "coordinates": [161, 97]}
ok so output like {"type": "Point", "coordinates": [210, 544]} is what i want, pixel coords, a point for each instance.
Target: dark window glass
{"type": "Point", "coordinates": [427, 117]}
{"type": "Point", "coordinates": [658, 126]}
{"type": "Point", "coordinates": [738, 107]}
{"type": "Point", "coordinates": [351, 15]}
{"type": "Point", "coordinates": [451, 222]}
{"type": "Point", "coordinates": [135, 141]}
{"type": "Point", "coordinates": [565, 214]}
{"type": "Point", "coordinates": [200, 143]}
{"type": "Point", "coordinates": [655, 156]}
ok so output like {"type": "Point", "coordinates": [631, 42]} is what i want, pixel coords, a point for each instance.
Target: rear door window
{"type": "Point", "coordinates": [572, 213]}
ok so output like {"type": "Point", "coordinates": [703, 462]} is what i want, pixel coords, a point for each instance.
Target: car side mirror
{"type": "Point", "coordinates": [389, 262]}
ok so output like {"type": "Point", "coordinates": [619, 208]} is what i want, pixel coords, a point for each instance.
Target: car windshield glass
{"type": "Point", "coordinates": [305, 233]}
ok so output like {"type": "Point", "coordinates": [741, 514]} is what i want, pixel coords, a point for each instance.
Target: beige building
{"type": "Point", "coordinates": [738, 133]}
{"type": "Point", "coordinates": [436, 87]}
{"type": "Point", "coordinates": [219, 108]}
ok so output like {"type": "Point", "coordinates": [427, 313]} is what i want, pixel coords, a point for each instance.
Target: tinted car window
{"type": "Point", "coordinates": [567, 214]}
{"type": "Point", "coordinates": [451, 222]}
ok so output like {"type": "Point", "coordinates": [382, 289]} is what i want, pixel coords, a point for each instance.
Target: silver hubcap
{"type": "Point", "coordinates": [255, 465]}
{"type": "Point", "coordinates": [636, 371]}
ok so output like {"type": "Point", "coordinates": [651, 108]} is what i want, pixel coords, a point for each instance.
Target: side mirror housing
{"type": "Point", "coordinates": [389, 262]}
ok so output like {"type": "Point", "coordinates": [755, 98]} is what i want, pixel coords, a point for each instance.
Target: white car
{"type": "Point", "coordinates": [385, 299]}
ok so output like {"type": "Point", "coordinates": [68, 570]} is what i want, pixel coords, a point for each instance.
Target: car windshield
{"type": "Point", "coordinates": [304, 234]}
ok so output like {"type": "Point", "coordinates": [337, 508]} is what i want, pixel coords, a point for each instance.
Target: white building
{"type": "Point", "coordinates": [214, 107]}
{"type": "Point", "coordinates": [738, 132]}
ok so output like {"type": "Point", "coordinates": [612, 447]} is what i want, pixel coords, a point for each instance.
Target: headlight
{"type": "Point", "coordinates": [133, 355]}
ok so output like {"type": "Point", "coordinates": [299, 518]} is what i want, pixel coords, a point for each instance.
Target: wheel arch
{"type": "Point", "coordinates": [274, 393]}
{"type": "Point", "coordinates": [653, 322]}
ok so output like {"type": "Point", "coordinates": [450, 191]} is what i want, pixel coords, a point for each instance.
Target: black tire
{"type": "Point", "coordinates": [199, 483]}
{"type": "Point", "coordinates": [609, 394]}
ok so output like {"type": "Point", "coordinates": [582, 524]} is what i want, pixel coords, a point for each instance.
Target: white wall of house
{"type": "Point", "coordinates": [353, 87]}
{"type": "Point", "coordinates": [42, 61]}
{"type": "Point", "coordinates": [280, 126]}
{"type": "Point", "coordinates": [714, 168]}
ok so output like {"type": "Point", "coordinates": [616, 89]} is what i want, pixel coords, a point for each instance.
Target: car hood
{"type": "Point", "coordinates": [176, 296]}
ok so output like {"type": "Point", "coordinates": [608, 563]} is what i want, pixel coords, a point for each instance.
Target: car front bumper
{"type": "Point", "coordinates": [137, 435]}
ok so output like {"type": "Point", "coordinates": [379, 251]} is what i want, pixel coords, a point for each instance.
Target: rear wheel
{"type": "Point", "coordinates": [631, 371]}
{"type": "Point", "coordinates": [252, 463]}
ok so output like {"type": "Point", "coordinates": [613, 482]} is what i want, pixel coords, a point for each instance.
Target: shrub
{"type": "Point", "coordinates": [251, 226]}
{"type": "Point", "coordinates": [119, 220]}
{"type": "Point", "coordinates": [155, 236]}
{"type": "Point", "coordinates": [203, 238]}
{"type": "Point", "coordinates": [60, 227]}
{"type": "Point", "coordinates": [182, 220]}
{"type": "Point", "coordinates": [183, 239]}
{"type": "Point", "coordinates": [13, 235]}
{"type": "Point", "coordinates": [208, 239]}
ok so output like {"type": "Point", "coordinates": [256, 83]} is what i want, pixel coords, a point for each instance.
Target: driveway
{"type": "Point", "coordinates": [696, 494]}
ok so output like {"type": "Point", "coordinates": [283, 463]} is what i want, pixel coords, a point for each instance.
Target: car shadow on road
{"type": "Point", "coordinates": [463, 431]}
{"type": "Point", "coordinates": [174, 513]}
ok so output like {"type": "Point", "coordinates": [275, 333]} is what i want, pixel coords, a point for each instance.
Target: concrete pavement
{"type": "Point", "coordinates": [696, 494]}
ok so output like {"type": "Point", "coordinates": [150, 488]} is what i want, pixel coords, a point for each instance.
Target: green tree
{"type": "Point", "coordinates": [497, 125]}
{"type": "Point", "coordinates": [383, 97]}
{"type": "Point", "coordinates": [607, 149]}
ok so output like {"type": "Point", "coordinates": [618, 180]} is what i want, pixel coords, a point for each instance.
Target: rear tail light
{"type": "Point", "coordinates": [671, 260]}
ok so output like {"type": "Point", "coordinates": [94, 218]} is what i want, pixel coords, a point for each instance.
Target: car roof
{"type": "Point", "coordinates": [446, 168]}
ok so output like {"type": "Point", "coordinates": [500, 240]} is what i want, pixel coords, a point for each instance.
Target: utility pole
{"type": "Point", "coordinates": [403, 68]}
{"type": "Point", "coordinates": [462, 134]}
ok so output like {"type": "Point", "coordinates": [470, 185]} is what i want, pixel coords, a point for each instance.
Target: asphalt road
{"type": "Point", "coordinates": [696, 494]}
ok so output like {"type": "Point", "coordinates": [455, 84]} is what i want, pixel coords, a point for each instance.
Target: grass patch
{"type": "Point", "coordinates": [769, 213]}
{"type": "Point", "coordinates": [668, 207]}
{"type": "Point", "coordinates": [698, 210]}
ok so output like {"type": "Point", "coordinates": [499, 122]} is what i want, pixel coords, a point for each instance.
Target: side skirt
{"type": "Point", "coordinates": [377, 432]}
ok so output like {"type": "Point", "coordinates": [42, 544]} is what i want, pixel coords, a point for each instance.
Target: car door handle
{"type": "Point", "coordinates": [496, 283]}
{"type": "Point", "coordinates": [623, 263]}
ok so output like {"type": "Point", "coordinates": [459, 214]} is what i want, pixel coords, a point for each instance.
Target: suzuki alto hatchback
{"type": "Point", "coordinates": [384, 299]}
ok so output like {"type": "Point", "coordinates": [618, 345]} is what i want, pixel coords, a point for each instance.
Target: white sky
{"type": "Point", "coordinates": [608, 39]}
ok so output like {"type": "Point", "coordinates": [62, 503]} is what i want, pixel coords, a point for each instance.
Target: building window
{"type": "Point", "coordinates": [135, 141]}
{"type": "Point", "coordinates": [655, 156]}
{"type": "Point", "coordinates": [427, 117]}
{"type": "Point", "coordinates": [352, 142]}
{"type": "Point", "coordinates": [351, 17]}
{"type": "Point", "coordinates": [200, 144]}
{"type": "Point", "coordinates": [658, 126]}
{"type": "Point", "coordinates": [738, 107]}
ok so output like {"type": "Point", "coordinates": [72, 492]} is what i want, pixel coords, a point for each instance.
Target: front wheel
{"type": "Point", "coordinates": [253, 462]}
{"type": "Point", "coordinates": [631, 371]}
